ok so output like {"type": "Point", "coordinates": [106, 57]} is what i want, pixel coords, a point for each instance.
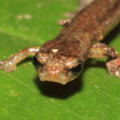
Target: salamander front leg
{"type": "Point", "coordinates": [113, 62]}
{"type": "Point", "coordinates": [102, 50]}
{"type": "Point", "coordinates": [10, 63]}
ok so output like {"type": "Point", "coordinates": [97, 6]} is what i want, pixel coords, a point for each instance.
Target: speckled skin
{"type": "Point", "coordinates": [76, 39]}
{"type": "Point", "coordinates": [86, 29]}
{"type": "Point", "coordinates": [57, 59]}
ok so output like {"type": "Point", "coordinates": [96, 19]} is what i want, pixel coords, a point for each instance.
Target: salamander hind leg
{"type": "Point", "coordinates": [113, 66]}
{"type": "Point", "coordinates": [113, 62]}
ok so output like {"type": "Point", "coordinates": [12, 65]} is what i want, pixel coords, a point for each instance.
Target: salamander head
{"type": "Point", "coordinates": [57, 68]}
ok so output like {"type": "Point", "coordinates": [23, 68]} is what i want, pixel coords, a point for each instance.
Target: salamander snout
{"type": "Point", "coordinates": [60, 71]}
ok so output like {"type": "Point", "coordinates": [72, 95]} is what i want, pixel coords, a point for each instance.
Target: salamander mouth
{"type": "Point", "coordinates": [61, 77]}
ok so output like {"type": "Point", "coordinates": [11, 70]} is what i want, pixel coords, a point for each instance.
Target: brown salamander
{"type": "Point", "coordinates": [62, 59]}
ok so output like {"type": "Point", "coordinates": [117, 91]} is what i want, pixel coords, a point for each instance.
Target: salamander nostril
{"type": "Point", "coordinates": [45, 72]}
{"type": "Point", "coordinates": [61, 75]}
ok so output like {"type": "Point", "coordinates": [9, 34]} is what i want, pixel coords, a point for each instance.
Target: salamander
{"type": "Point", "coordinates": [62, 59]}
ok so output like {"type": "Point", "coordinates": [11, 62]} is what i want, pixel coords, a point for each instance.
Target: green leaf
{"type": "Point", "coordinates": [93, 95]}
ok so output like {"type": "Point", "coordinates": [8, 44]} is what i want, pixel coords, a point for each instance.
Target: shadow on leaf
{"type": "Point", "coordinates": [57, 90]}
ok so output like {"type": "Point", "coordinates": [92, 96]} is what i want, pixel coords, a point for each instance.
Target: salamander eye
{"type": "Point", "coordinates": [35, 62]}
{"type": "Point", "coordinates": [77, 68]}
